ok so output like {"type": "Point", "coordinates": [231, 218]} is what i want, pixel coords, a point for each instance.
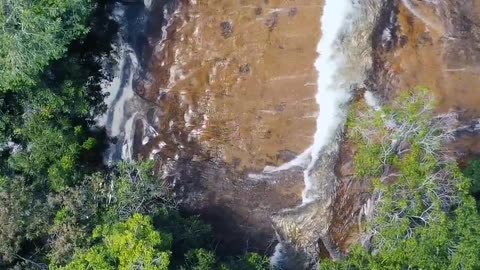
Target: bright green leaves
{"type": "Point", "coordinates": [200, 259]}
{"type": "Point", "coordinates": [89, 144]}
{"type": "Point", "coordinates": [425, 218]}
{"type": "Point", "coordinates": [466, 227]}
{"type": "Point", "coordinates": [368, 162]}
{"type": "Point", "coordinates": [32, 33]}
{"type": "Point", "coordinates": [257, 262]}
{"type": "Point", "coordinates": [473, 173]}
{"type": "Point", "coordinates": [133, 244]}
{"type": "Point", "coordinates": [93, 259]}
{"type": "Point", "coordinates": [414, 107]}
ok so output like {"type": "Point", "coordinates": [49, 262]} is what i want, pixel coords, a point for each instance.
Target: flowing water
{"type": "Point", "coordinates": [226, 98]}
{"type": "Point", "coordinates": [132, 48]}
{"type": "Point", "coordinates": [121, 112]}
{"type": "Point", "coordinates": [343, 67]}
{"type": "Point", "coordinates": [332, 94]}
{"type": "Point", "coordinates": [223, 93]}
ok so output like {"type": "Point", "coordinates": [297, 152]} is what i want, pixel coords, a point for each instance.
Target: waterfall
{"type": "Point", "coordinates": [330, 94]}
{"type": "Point", "coordinates": [124, 106]}
{"type": "Point", "coordinates": [332, 97]}
{"type": "Point", "coordinates": [343, 63]}
{"type": "Point", "coordinates": [148, 4]}
{"type": "Point", "coordinates": [119, 120]}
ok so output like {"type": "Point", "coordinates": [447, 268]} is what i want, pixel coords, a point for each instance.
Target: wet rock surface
{"type": "Point", "coordinates": [230, 88]}
{"type": "Point", "coordinates": [226, 88]}
{"type": "Point", "coordinates": [224, 72]}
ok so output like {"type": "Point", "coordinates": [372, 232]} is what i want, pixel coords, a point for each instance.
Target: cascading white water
{"type": "Point", "coordinates": [117, 103]}
{"type": "Point", "coordinates": [124, 106]}
{"type": "Point", "coordinates": [344, 61]}
{"type": "Point", "coordinates": [331, 96]}
{"type": "Point", "coordinates": [119, 118]}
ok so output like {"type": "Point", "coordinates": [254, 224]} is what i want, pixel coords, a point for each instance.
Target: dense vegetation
{"type": "Point", "coordinates": [425, 216]}
{"type": "Point", "coordinates": [60, 208]}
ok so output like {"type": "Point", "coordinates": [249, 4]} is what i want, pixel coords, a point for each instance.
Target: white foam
{"type": "Point", "coordinates": [129, 130]}
{"type": "Point", "coordinates": [278, 256]}
{"type": "Point", "coordinates": [145, 140]}
{"type": "Point", "coordinates": [148, 4]}
{"type": "Point", "coordinates": [299, 161]}
{"type": "Point", "coordinates": [118, 120]}
{"type": "Point", "coordinates": [330, 95]}
{"type": "Point", "coordinates": [116, 108]}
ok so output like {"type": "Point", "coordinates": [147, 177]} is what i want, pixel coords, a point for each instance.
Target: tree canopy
{"type": "Point", "coordinates": [425, 216]}
{"type": "Point", "coordinates": [133, 244]}
{"type": "Point", "coordinates": [32, 33]}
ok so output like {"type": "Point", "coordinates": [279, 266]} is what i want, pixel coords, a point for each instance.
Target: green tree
{"type": "Point", "coordinates": [425, 217]}
{"type": "Point", "coordinates": [133, 244]}
{"type": "Point", "coordinates": [200, 259]}
{"type": "Point", "coordinates": [473, 173]}
{"type": "Point", "coordinates": [32, 33]}
{"type": "Point", "coordinates": [22, 217]}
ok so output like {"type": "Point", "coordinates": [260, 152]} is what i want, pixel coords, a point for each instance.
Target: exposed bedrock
{"type": "Point", "coordinates": [224, 100]}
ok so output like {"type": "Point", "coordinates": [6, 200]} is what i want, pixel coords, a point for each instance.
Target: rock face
{"type": "Point", "coordinates": [238, 78]}
{"type": "Point", "coordinates": [303, 227]}
{"type": "Point", "coordinates": [434, 44]}
{"type": "Point", "coordinates": [230, 88]}
{"type": "Point", "coordinates": [225, 103]}
{"type": "Point", "coordinates": [428, 43]}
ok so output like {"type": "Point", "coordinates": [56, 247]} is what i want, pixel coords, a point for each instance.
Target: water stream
{"type": "Point", "coordinates": [343, 65]}
{"type": "Point", "coordinates": [125, 107]}
{"type": "Point", "coordinates": [331, 95]}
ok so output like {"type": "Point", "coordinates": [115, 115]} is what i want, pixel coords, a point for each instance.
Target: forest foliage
{"type": "Point", "coordinates": [425, 216]}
